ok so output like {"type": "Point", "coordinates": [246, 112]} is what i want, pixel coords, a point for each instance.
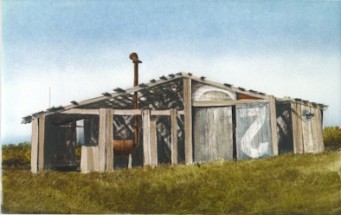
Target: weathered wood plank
{"type": "Point", "coordinates": [187, 97]}
{"type": "Point", "coordinates": [213, 134]}
{"type": "Point", "coordinates": [299, 136]}
{"type": "Point", "coordinates": [34, 145]}
{"type": "Point", "coordinates": [307, 131]}
{"type": "Point", "coordinates": [146, 137]}
{"type": "Point", "coordinates": [227, 102]}
{"type": "Point", "coordinates": [117, 112]}
{"type": "Point", "coordinates": [102, 139]}
{"type": "Point", "coordinates": [89, 159]}
{"type": "Point", "coordinates": [294, 127]}
{"type": "Point", "coordinates": [314, 124]}
{"type": "Point", "coordinates": [319, 130]}
{"type": "Point", "coordinates": [81, 111]}
{"type": "Point", "coordinates": [160, 112]}
{"type": "Point", "coordinates": [174, 136]}
{"type": "Point", "coordinates": [153, 143]}
{"type": "Point", "coordinates": [253, 131]}
{"type": "Point", "coordinates": [273, 123]}
{"type": "Point", "coordinates": [128, 112]}
{"type": "Point", "coordinates": [109, 140]}
{"type": "Point", "coordinates": [41, 142]}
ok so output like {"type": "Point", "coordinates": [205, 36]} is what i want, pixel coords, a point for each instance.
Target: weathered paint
{"type": "Point", "coordinates": [213, 134]}
{"type": "Point", "coordinates": [307, 130]}
{"type": "Point", "coordinates": [253, 134]}
{"type": "Point", "coordinates": [202, 92]}
{"type": "Point", "coordinates": [34, 145]}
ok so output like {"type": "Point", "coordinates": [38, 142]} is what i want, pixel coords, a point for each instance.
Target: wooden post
{"type": "Point", "coordinates": [187, 98]}
{"type": "Point", "coordinates": [299, 136]}
{"type": "Point", "coordinates": [319, 130]}
{"type": "Point", "coordinates": [105, 149]}
{"type": "Point", "coordinates": [314, 124]}
{"type": "Point", "coordinates": [273, 125]}
{"type": "Point", "coordinates": [34, 145]}
{"type": "Point", "coordinates": [153, 142]}
{"type": "Point", "coordinates": [146, 137]}
{"type": "Point", "coordinates": [174, 136]}
{"type": "Point", "coordinates": [294, 126]}
{"type": "Point", "coordinates": [41, 142]}
{"type": "Point", "coordinates": [130, 161]}
{"type": "Point", "coordinates": [109, 140]}
{"type": "Point", "coordinates": [89, 159]}
{"type": "Point", "coordinates": [102, 139]}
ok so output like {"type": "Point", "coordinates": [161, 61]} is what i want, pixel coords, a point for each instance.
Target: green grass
{"type": "Point", "coordinates": [288, 184]}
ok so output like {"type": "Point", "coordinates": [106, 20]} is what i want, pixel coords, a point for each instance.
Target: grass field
{"type": "Point", "coordinates": [288, 184]}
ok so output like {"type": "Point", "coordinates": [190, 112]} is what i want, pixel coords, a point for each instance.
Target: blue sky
{"type": "Point", "coordinates": [80, 49]}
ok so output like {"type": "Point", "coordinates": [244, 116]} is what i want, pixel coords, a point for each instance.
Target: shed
{"type": "Point", "coordinates": [180, 118]}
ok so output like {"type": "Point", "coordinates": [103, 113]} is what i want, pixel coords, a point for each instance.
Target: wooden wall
{"type": "Point", "coordinates": [204, 123]}
{"type": "Point", "coordinates": [307, 130]}
{"type": "Point", "coordinates": [213, 134]}
{"type": "Point", "coordinates": [253, 131]}
{"type": "Point", "coordinates": [212, 126]}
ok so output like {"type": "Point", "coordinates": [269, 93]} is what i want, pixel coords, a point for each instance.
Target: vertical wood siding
{"type": "Point", "coordinates": [34, 145]}
{"type": "Point", "coordinates": [307, 131]}
{"type": "Point", "coordinates": [213, 137]}
{"type": "Point", "coordinates": [253, 132]}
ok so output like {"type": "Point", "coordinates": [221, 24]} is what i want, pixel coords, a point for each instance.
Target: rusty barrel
{"type": "Point", "coordinates": [123, 147]}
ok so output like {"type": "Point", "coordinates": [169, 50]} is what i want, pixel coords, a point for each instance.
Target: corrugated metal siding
{"type": "Point", "coordinates": [253, 134]}
{"type": "Point", "coordinates": [213, 135]}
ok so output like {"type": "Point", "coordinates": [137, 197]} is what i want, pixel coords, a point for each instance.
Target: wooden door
{"type": "Point", "coordinates": [213, 136]}
{"type": "Point", "coordinates": [253, 132]}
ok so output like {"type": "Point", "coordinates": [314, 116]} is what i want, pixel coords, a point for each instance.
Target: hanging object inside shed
{"type": "Point", "coordinates": [125, 147]}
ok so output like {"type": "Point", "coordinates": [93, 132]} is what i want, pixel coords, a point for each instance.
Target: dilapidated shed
{"type": "Point", "coordinates": [178, 118]}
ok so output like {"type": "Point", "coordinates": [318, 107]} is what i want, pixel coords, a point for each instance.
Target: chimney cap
{"type": "Point", "coordinates": [134, 57]}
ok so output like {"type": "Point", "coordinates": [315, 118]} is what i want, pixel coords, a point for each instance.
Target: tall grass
{"type": "Point", "coordinates": [332, 137]}
{"type": "Point", "coordinates": [289, 184]}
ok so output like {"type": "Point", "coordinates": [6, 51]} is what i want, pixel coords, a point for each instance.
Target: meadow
{"type": "Point", "coordinates": [287, 184]}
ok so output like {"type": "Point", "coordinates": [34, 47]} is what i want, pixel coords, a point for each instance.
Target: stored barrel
{"type": "Point", "coordinates": [123, 147]}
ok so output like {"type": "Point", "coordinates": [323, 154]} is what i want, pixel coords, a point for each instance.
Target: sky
{"type": "Point", "coordinates": [79, 49]}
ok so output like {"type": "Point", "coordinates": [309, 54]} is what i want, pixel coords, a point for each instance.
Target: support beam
{"type": "Point", "coordinates": [187, 97]}
{"type": "Point", "coordinates": [146, 137]}
{"type": "Point", "coordinates": [105, 139]}
{"type": "Point", "coordinates": [109, 140]}
{"type": "Point", "coordinates": [174, 136]}
{"type": "Point", "coordinates": [153, 142]}
{"type": "Point", "coordinates": [41, 142]}
{"type": "Point", "coordinates": [34, 145]}
{"type": "Point", "coordinates": [273, 125]}
{"type": "Point", "coordinates": [227, 103]}
{"type": "Point", "coordinates": [294, 127]}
